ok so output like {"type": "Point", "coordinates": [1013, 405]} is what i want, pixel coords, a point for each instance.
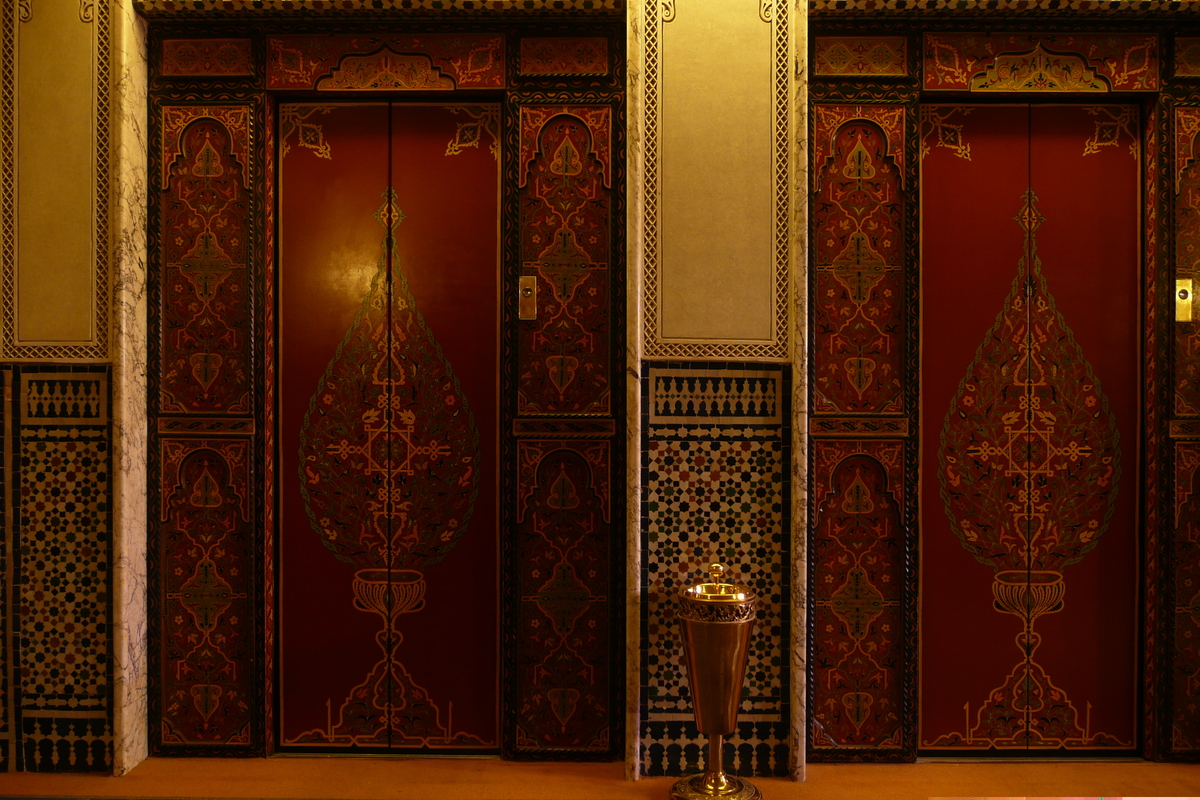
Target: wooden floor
{"type": "Point", "coordinates": [490, 779]}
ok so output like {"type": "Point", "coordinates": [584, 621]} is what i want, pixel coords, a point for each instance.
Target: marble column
{"type": "Point", "coordinates": [129, 388]}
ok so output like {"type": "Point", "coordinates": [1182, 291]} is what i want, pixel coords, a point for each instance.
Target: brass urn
{"type": "Point", "coordinates": [717, 619]}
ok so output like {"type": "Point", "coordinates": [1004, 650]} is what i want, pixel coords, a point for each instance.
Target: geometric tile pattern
{"type": "Point", "coordinates": [715, 456]}
{"type": "Point", "coordinates": [58, 440]}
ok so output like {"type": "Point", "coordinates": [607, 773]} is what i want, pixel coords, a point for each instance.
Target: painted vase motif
{"type": "Point", "coordinates": [1029, 464]}
{"type": "Point", "coordinates": [389, 458]}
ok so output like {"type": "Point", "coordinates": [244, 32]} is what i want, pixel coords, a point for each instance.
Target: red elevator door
{"type": "Point", "coordinates": [388, 352]}
{"type": "Point", "coordinates": [1030, 408]}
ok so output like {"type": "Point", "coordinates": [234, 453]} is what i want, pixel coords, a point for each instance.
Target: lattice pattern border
{"type": "Point", "coordinates": [97, 349]}
{"type": "Point", "coordinates": [779, 15]}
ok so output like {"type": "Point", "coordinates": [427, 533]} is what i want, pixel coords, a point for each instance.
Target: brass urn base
{"type": "Point", "coordinates": [697, 787]}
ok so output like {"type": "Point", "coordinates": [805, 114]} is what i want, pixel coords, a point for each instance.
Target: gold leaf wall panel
{"type": "Point", "coordinates": [54, 166]}
{"type": "Point", "coordinates": [717, 175]}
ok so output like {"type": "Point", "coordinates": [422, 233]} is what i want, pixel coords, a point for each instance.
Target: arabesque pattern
{"type": "Point", "coordinates": [205, 625]}
{"type": "Point", "coordinates": [1185, 725]}
{"type": "Point", "coordinates": [1029, 466]}
{"type": "Point", "coordinates": [858, 228]}
{"type": "Point", "coordinates": [1031, 62]}
{"type": "Point", "coordinates": [564, 539]}
{"type": "Point", "coordinates": [206, 292]}
{"type": "Point", "coordinates": [867, 56]}
{"type": "Point", "coordinates": [390, 473]}
{"type": "Point", "coordinates": [207, 612]}
{"type": "Point", "coordinates": [358, 63]}
{"type": "Point", "coordinates": [856, 688]}
{"type": "Point", "coordinates": [566, 224]}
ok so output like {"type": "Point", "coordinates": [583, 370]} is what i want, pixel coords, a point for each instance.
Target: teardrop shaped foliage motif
{"type": "Point", "coordinates": [1029, 458]}
{"type": "Point", "coordinates": [389, 451]}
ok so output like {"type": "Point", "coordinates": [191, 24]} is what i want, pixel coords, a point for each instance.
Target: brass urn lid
{"type": "Point", "coordinates": [717, 590]}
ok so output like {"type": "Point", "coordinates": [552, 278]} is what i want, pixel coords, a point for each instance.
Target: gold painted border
{"type": "Point", "coordinates": [97, 348]}
{"type": "Point", "coordinates": [779, 15]}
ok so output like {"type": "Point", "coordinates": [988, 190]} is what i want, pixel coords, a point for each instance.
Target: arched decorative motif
{"type": "Point", "coordinates": [858, 243]}
{"type": "Point", "coordinates": [565, 243]}
{"type": "Point", "coordinates": [564, 515]}
{"type": "Point", "coordinates": [857, 694]}
{"type": "Point", "coordinates": [206, 596]}
{"type": "Point", "coordinates": [205, 254]}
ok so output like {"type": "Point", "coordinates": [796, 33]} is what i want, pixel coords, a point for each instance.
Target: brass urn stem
{"type": "Point", "coordinates": [715, 780]}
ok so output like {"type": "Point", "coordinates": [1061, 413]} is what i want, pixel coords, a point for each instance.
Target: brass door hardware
{"type": "Point", "coordinates": [1183, 300]}
{"type": "Point", "coordinates": [527, 303]}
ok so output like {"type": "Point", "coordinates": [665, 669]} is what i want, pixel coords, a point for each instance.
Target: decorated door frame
{"type": "Point", "coordinates": [212, 384]}
{"type": "Point", "coordinates": [878, 69]}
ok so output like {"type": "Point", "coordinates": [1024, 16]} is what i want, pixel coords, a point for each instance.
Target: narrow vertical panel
{"type": "Point", "coordinates": [207, 231]}
{"type": "Point", "coordinates": [8, 665]}
{"type": "Point", "coordinates": [206, 621]}
{"type": "Point", "coordinates": [717, 181]}
{"type": "Point", "coordinates": [564, 648]}
{"type": "Point", "coordinates": [856, 642]}
{"type": "Point", "coordinates": [205, 281]}
{"type": "Point", "coordinates": [1185, 625]}
{"type": "Point", "coordinates": [715, 458]}
{"type": "Point", "coordinates": [62, 472]}
{"type": "Point", "coordinates": [268, 590]}
{"type": "Point", "coordinates": [55, 145]}
{"type": "Point", "coordinates": [566, 228]}
{"type": "Point", "coordinates": [859, 338]}
{"type": "Point", "coordinates": [1157, 341]}
{"type": "Point", "coordinates": [1187, 256]}
{"type": "Point", "coordinates": [56, 134]}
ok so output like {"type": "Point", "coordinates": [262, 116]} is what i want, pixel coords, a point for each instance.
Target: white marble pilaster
{"type": "Point", "coordinates": [798, 191]}
{"type": "Point", "coordinates": [130, 742]}
{"type": "Point", "coordinates": [635, 194]}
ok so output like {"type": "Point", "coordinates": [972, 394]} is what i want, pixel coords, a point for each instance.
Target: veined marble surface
{"type": "Point", "coordinates": [130, 743]}
{"type": "Point", "coordinates": [799, 267]}
{"type": "Point", "coordinates": [635, 111]}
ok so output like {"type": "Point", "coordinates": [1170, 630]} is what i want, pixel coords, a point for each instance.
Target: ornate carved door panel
{"type": "Point", "coordinates": [388, 347]}
{"type": "Point", "coordinates": [1030, 401]}
{"type": "Point", "coordinates": [349, 427]}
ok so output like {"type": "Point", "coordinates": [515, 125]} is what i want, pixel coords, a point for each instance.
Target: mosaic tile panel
{"type": "Point", "coordinates": [61, 465]}
{"type": "Point", "coordinates": [715, 461]}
